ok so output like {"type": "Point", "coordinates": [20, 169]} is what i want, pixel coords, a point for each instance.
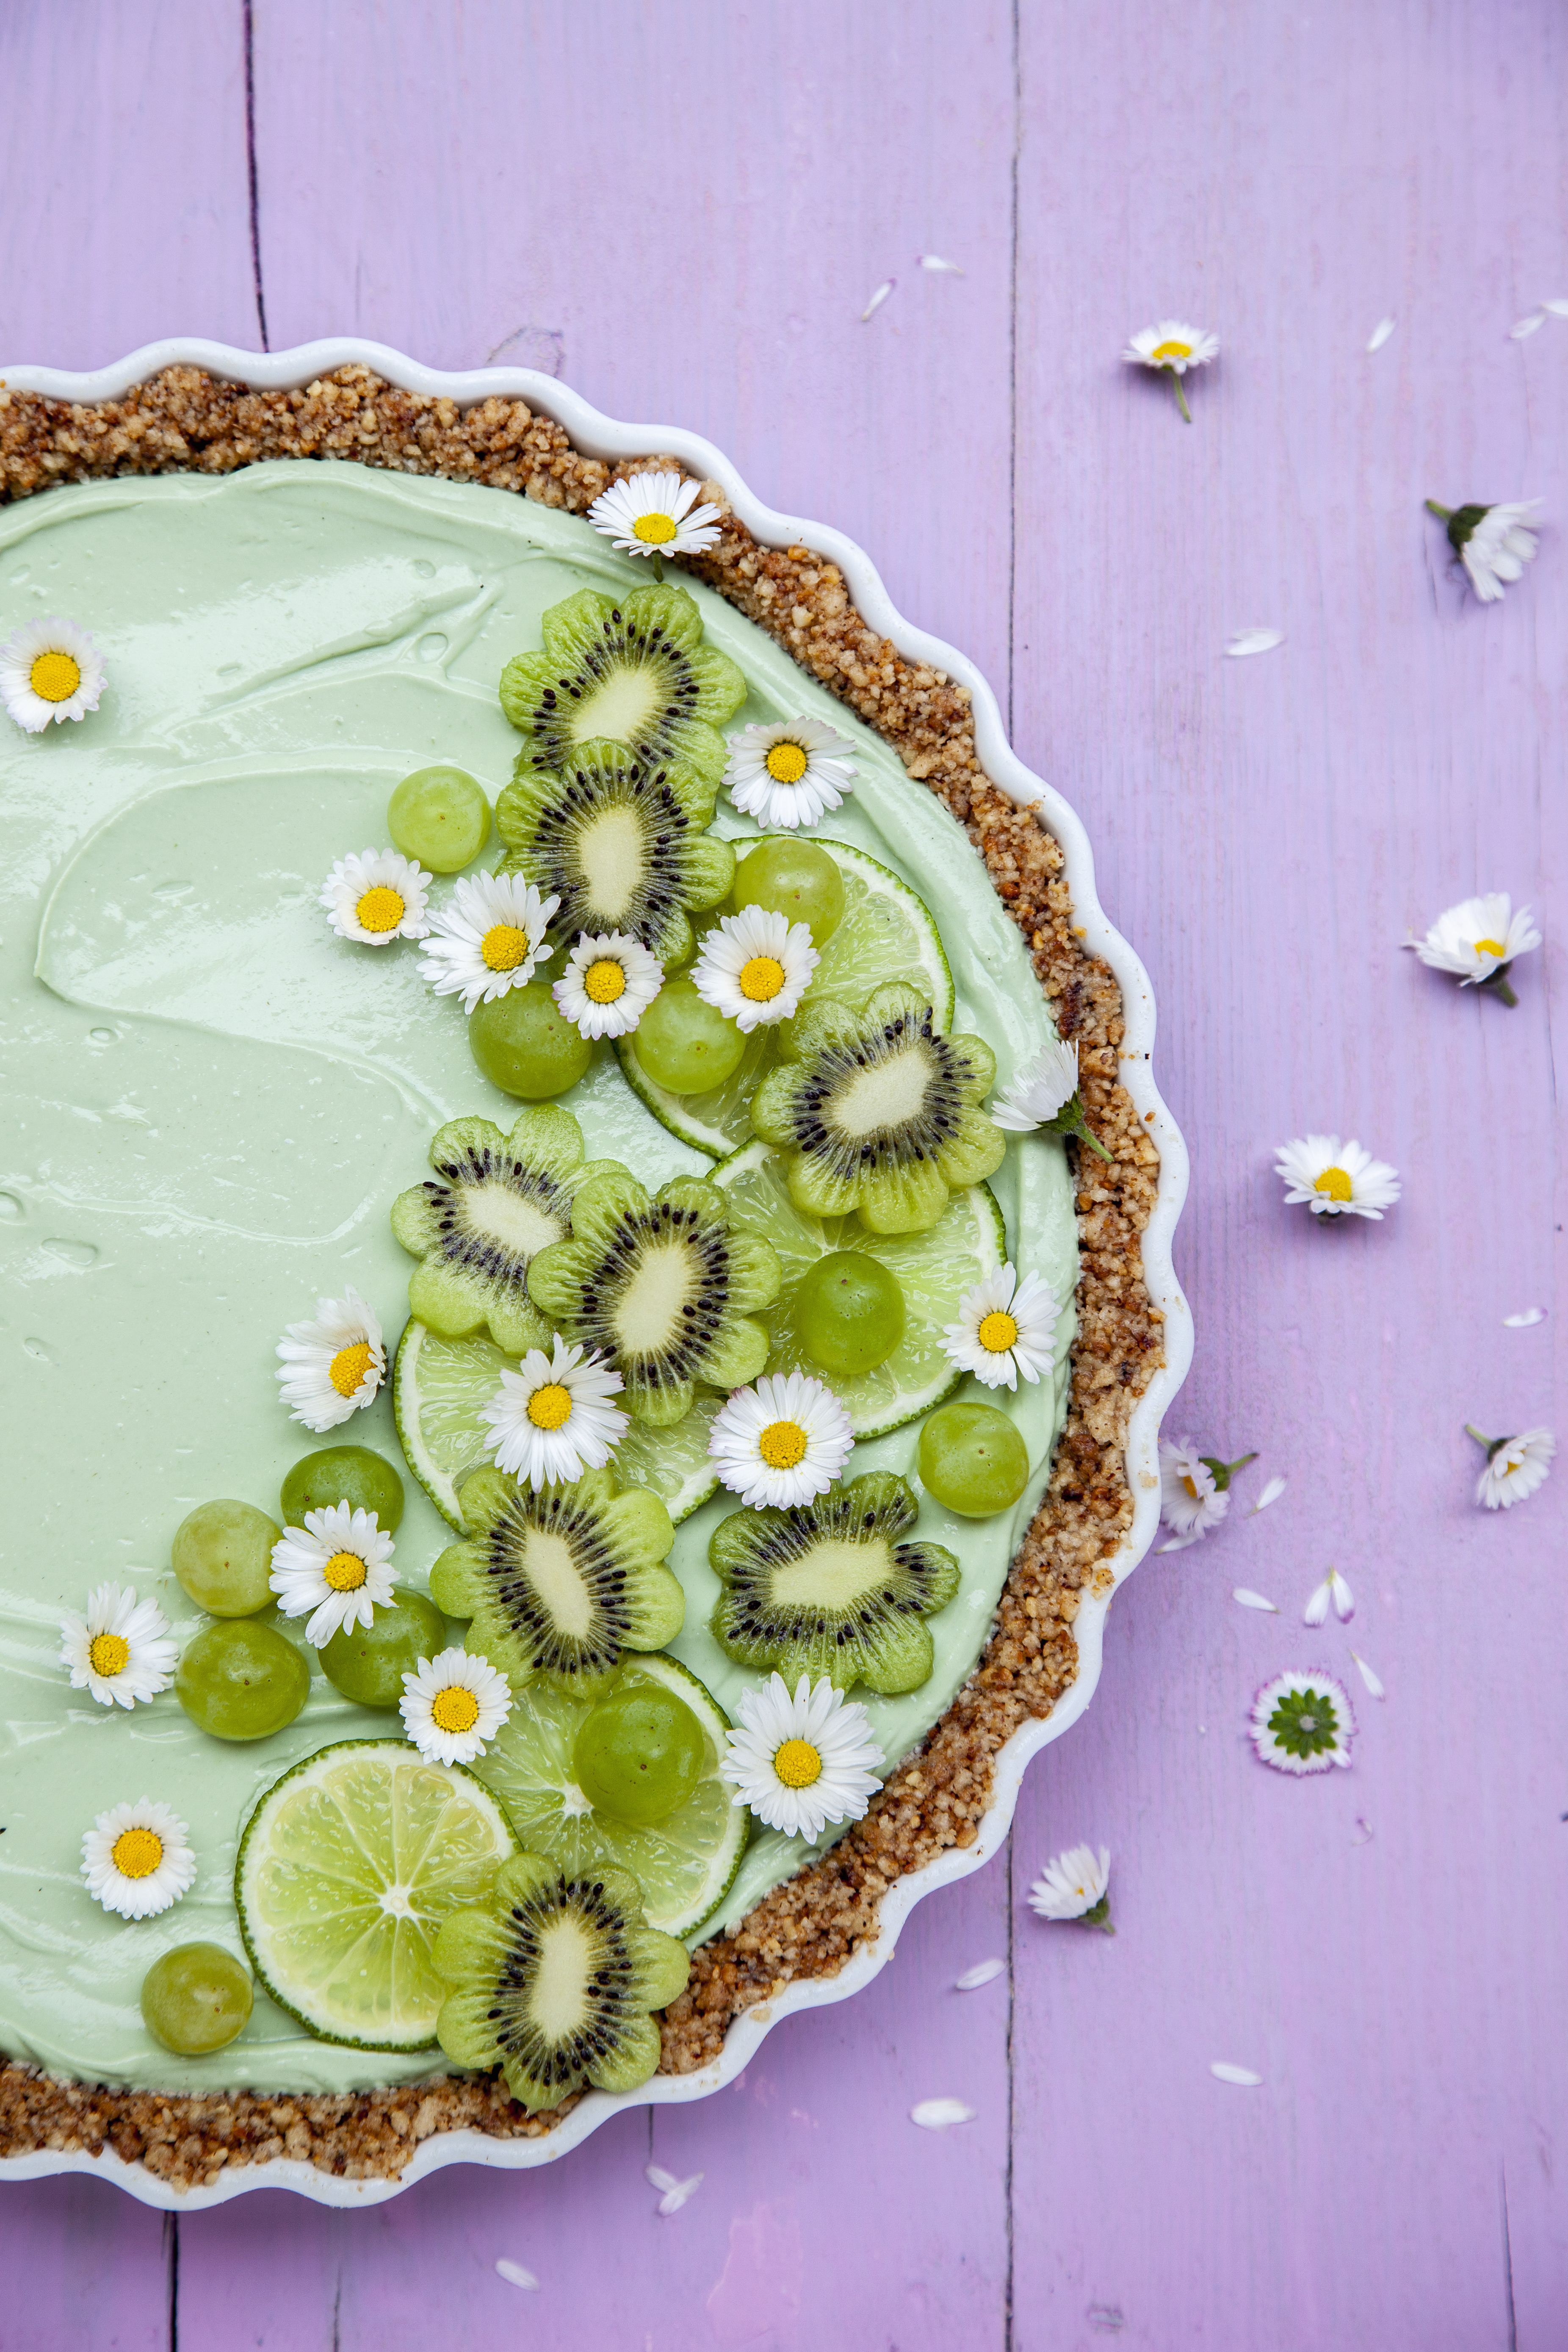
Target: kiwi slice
{"type": "Point", "coordinates": [662, 1286]}
{"type": "Point", "coordinates": [621, 845]}
{"type": "Point", "coordinates": [553, 1981]}
{"type": "Point", "coordinates": [633, 671]}
{"type": "Point", "coordinates": [497, 1201]}
{"type": "Point", "coordinates": [829, 1588]}
{"type": "Point", "coordinates": [877, 1111]}
{"type": "Point", "coordinates": [559, 1580]}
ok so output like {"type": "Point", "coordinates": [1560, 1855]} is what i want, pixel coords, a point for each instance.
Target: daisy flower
{"type": "Point", "coordinates": [121, 1650]}
{"type": "Point", "coordinates": [338, 1566]}
{"type": "Point", "coordinates": [137, 1859]}
{"type": "Point", "coordinates": [789, 775]}
{"type": "Point", "coordinates": [1174, 347]}
{"type": "Point", "coordinates": [608, 984]}
{"type": "Point", "coordinates": [802, 1762]}
{"type": "Point", "coordinates": [654, 514]}
{"type": "Point", "coordinates": [1491, 542]}
{"type": "Point", "coordinates": [1515, 1466]}
{"type": "Point", "coordinates": [1336, 1179]}
{"type": "Point", "coordinates": [783, 1442]}
{"type": "Point", "coordinates": [1004, 1326]}
{"type": "Point", "coordinates": [1076, 1885]}
{"type": "Point", "coordinates": [1479, 940]}
{"type": "Point", "coordinates": [753, 967]}
{"type": "Point", "coordinates": [49, 669]}
{"type": "Point", "coordinates": [1335, 1590]}
{"type": "Point", "coordinates": [332, 1364]}
{"type": "Point", "coordinates": [1192, 1501]}
{"type": "Point", "coordinates": [487, 939]}
{"type": "Point", "coordinates": [1302, 1723]}
{"type": "Point", "coordinates": [376, 896]}
{"type": "Point", "coordinates": [1047, 1096]}
{"type": "Point", "coordinates": [550, 1419]}
{"type": "Point", "coordinates": [453, 1704]}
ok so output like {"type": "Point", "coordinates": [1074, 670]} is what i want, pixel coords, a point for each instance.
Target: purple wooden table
{"type": "Point", "coordinates": [683, 210]}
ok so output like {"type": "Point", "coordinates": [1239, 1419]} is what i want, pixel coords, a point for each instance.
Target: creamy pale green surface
{"type": "Point", "coordinates": [211, 1103]}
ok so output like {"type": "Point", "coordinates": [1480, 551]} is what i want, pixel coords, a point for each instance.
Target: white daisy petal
{"type": "Point", "coordinates": [941, 2114]}
{"type": "Point", "coordinates": [984, 1972]}
{"type": "Point", "coordinates": [782, 1442]}
{"type": "Point", "coordinates": [753, 967]}
{"type": "Point", "coordinates": [789, 773]}
{"type": "Point", "coordinates": [674, 2193]}
{"type": "Point", "coordinates": [1334, 1178]}
{"type": "Point", "coordinates": [1242, 2077]}
{"type": "Point", "coordinates": [1526, 325]}
{"type": "Point", "coordinates": [1270, 1494]}
{"type": "Point", "coordinates": [1514, 1468]}
{"type": "Point", "coordinates": [1525, 1320]}
{"type": "Point", "coordinates": [515, 2274]}
{"type": "Point", "coordinates": [1172, 344]}
{"type": "Point", "coordinates": [1190, 1503]}
{"type": "Point", "coordinates": [1250, 1600]}
{"type": "Point", "coordinates": [137, 1859]}
{"type": "Point", "coordinates": [1072, 1884]}
{"type": "Point", "coordinates": [487, 938]}
{"type": "Point", "coordinates": [654, 514]}
{"type": "Point", "coordinates": [879, 296]}
{"type": "Point", "coordinates": [376, 896]}
{"type": "Point", "coordinates": [1242, 642]}
{"type": "Point", "coordinates": [121, 1652]}
{"type": "Point", "coordinates": [609, 982]}
{"type": "Point", "coordinates": [1302, 1723]}
{"type": "Point", "coordinates": [551, 1419]}
{"type": "Point", "coordinates": [1372, 1681]}
{"type": "Point", "coordinates": [337, 1566]}
{"type": "Point", "coordinates": [1556, 306]}
{"type": "Point", "coordinates": [1004, 1326]}
{"type": "Point", "coordinates": [453, 1704]}
{"type": "Point", "coordinates": [935, 261]}
{"type": "Point", "coordinates": [801, 1761]}
{"type": "Point", "coordinates": [1478, 938]}
{"type": "Point", "coordinates": [333, 1364]}
{"type": "Point", "coordinates": [1380, 334]}
{"type": "Point", "coordinates": [1333, 1592]}
{"type": "Point", "coordinates": [1045, 1089]}
{"type": "Point", "coordinates": [49, 670]}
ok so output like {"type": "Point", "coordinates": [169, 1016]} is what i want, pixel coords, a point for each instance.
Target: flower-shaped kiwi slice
{"type": "Point", "coordinates": [560, 1581]}
{"type": "Point", "coordinates": [879, 1112]}
{"type": "Point", "coordinates": [663, 1286]}
{"type": "Point", "coordinates": [496, 1202]}
{"type": "Point", "coordinates": [632, 670]}
{"type": "Point", "coordinates": [552, 1981]}
{"type": "Point", "coordinates": [831, 1588]}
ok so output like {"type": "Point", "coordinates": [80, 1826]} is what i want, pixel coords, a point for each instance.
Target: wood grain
{"type": "Point", "coordinates": [685, 208]}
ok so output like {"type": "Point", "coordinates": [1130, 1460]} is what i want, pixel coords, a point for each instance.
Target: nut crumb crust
{"type": "Point", "coordinates": [185, 421]}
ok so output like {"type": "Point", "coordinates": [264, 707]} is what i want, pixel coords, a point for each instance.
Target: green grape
{"type": "Point", "coordinates": [974, 1459]}
{"type": "Point", "coordinates": [222, 1554]}
{"type": "Point", "coordinates": [343, 1474]}
{"type": "Point", "coordinates": [367, 1662]}
{"type": "Point", "coordinates": [687, 1045]}
{"type": "Point", "coordinates": [195, 1999]}
{"type": "Point", "coordinates": [440, 817]}
{"type": "Point", "coordinates": [524, 1046]}
{"type": "Point", "coordinates": [241, 1681]}
{"type": "Point", "coordinates": [794, 878]}
{"type": "Point", "coordinates": [849, 1312]}
{"type": "Point", "coordinates": [639, 1754]}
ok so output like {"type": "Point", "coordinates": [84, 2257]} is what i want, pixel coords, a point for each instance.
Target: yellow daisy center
{"type": "Point", "coordinates": [108, 1654]}
{"type": "Point", "coordinates": [787, 763]}
{"type": "Point", "coordinates": [1335, 1184]}
{"type": "Point", "coordinates": [1191, 1484]}
{"type": "Point", "coordinates": [604, 982]}
{"type": "Point", "coordinates": [797, 1764]}
{"type": "Point", "coordinates": [345, 1572]}
{"type": "Point", "coordinates": [1172, 352]}
{"type": "Point", "coordinates": [380, 909]}
{"type": "Point", "coordinates": [55, 678]}
{"type": "Point", "coordinates": [454, 1708]}
{"type": "Point", "coordinates": [348, 1367]}
{"type": "Point", "coordinates": [998, 1332]}
{"type": "Point", "coordinates": [550, 1406]}
{"type": "Point", "coordinates": [762, 979]}
{"type": "Point", "coordinates": [782, 1445]}
{"type": "Point", "coordinates": [655, 530]}
{"type": "Point", "coordinates": [504, 947]}
{"type": "Point", "coordinates": [1491, 947]}
{"type": "Point", "coordinates": [136, 1854]}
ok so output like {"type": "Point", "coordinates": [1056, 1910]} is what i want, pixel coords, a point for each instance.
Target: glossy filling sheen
{"type": "Point", "coordinates": [213, 1103]}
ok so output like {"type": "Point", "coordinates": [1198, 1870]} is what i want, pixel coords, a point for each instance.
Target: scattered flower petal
{"type": "Point", "coordinates": [984, 1972]}
{"type": "Point", "coordinates": [802, 1759]}
{"type": "Point", "coordinates": [1336, 1179]}
{"type": "Point", "coordinates": [514, 2274]}
{"type": "Point", "coordinates": [1242, 642]}
{"type": "Point", "coordinates": [938, 2114]}
{"type": "Point", "coordinates": [1515, 1466]}
{"type": "Point", "coordinates": [878, 297]}
{"type": "Point", "coordinates": [935, 261]}
{"type": "Point", "coordinates": [1334, 1588]}
{"type": "Point", "coordinates": [1250, 1600]}
{"type": "Point", "coordinates": [49, 669]}
{"type": "Point", "coordinates": [1525, 1319]}
{"type": "Point", "coordinates": [674, 2193]}
{"type": "Point", "coordinates": [1557, 307]}
{"type": "Point", "coordinates": [1178, 1543]}
{"type": "Point", "coordinates": [1526, 326]}
{"type": "Point", "coordinates": [1365, 1826]}
{"type": "Point", "coordinates": [1271, 1493]}
{"type": "Point", "coordinates": [1302, 1723]}
{"type": "Point", "coordinates": [1242, 2077]}
{"type": "Point", "coordinates": [1372, 1681]}
{"type": "Point", "coordinates": [1075, 1885]}
{"type": "Point", "coordinates": [1380, 334]}
{"type": "Point", "coordinates": [654, 514]}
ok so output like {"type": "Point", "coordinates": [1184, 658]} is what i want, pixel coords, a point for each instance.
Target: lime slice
{"type": "Point", "coordinates": [347, 1868]}
{"type": "Point", "coordinates": [885, 934]}
{"type": "Point", "coordinates": [439, 1386]}
{"type": "Point", "coordinates": [933, 1270]}
{"type": "Point", "coordinates": [684, 1863]}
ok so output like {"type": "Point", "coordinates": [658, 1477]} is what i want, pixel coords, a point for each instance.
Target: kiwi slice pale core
{"type": "Point", "coordinates": [831, 1588]}
{"type": "Point", "coordinates": [554, 1981]}
{"type": "Point", "coordinates": [633, 671]}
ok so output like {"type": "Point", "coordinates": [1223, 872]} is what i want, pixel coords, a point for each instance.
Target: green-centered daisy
{"type": "Point", "coordinates": [137, 1859]}
{"type": "Point", "coordinates": [337, 1567]}
{"type": "Point", "coordinates": [656, 514]}
{"type": "Point", "coordinates": [376, 896]}
{"type": "Point", "coordinates": [49, 670]}
{"type": "Point", "coordinates": [452, 1707]}
{"type": "Point", "coordinates": [754, 968]}
{"type": "Point", "coordinates": [552, 1419]}
{"type": "Point", "coordinates": [608, 984]}
{"type": "Point", "coordinates": [789, 773]}
{"type": "Point", "coordinates": [1302, 1723]}
{"type": "Point", "coordinates": [489, 937]}
{"type": "Point", "coordinates": [800, 1759]}
{"type": "Point", "coordinates": [121, 1652]}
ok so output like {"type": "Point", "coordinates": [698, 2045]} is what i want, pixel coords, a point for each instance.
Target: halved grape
{"type": "Point", "coordinates": [240, 1680]}
{"type": "Point", "coordinates": [524, 1046]}
{"type": "Point", "coordinates": [974, 1459]}
{"type": "Point", "coordinates": [639, 1754]}
{"type": "Point", "coordinates": [195, 1999]}
{"type": "Point", "coordinates": [795, 878]}
{"type": "Point", "coordinates": [342, 1474]}
{"type": "Point", "coordinates": [849, 1312]}
{"type": "Point", "coordinates": [440, 817]}
{"type": "Point", "coordinates": [685, 1045]}
{"type": "Point", "coordinates": [222, 1554]}
{"type": "Point", "coordinates": [367, 1662]}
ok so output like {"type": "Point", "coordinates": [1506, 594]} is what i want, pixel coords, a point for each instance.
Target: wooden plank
{"type": "Point", "coordinates": [85, 2265]}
